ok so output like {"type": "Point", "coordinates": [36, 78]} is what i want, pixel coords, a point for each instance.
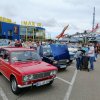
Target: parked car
{"type": "Point", "coordinates": [23, 67]}
{"type": "Point", "coordinates": [4, 42]}
{"type": "Point", "coordinates": [72, 56]}
{"type": "Point", "coordinates": [55, 54]}
{"type": "Point", "coordinates": [72, 49]}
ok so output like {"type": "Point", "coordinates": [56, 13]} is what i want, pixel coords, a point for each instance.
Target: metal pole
{"type": "Point", "coordinates": [93, 19]}
{"type": "Point", "coordinates": [26, 33]}
{"type": "Point", "coordinates": [33, 35]}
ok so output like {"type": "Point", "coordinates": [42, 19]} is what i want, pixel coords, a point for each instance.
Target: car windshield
{"type": "Point", "coordinates": [24, 56]}
{"type": "Point", "coordinates": [47, 51]}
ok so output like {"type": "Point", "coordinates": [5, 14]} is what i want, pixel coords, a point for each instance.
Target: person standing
{"type": "Point", "coordinates": [91, 55]}
{"type": "Point", "coordinates": [18, 43]}
{"type": "Point", "coordinates": [78, 57]}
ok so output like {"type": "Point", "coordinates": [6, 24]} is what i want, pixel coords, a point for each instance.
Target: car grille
{"type": "Point", "coordinates": [41, 75]}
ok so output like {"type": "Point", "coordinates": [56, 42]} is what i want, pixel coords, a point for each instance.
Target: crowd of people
{"type": "Point", "coordinates": [89, 50]}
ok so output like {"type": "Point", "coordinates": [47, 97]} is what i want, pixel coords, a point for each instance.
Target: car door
{"type": "Point", "coordinates": [2, 61]}
{"type": "Point", "coordinates": [6, 64]}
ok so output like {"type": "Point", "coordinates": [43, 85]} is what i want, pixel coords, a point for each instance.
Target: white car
{"type": "Point", "coordinates": [72, 49]}
{"type": "Point", "coordinates": [4, 42]}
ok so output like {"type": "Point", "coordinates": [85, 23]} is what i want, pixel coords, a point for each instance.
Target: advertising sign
{"type": "Point", "coordinates": [15, 29]}
{"type": "Point", "coordinates": [3, 19]}
{"type": "Point", "coordinates": [30, 23]}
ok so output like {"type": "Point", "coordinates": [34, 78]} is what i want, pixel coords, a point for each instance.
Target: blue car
{"type": "Point", "coordinates": [55, 54]}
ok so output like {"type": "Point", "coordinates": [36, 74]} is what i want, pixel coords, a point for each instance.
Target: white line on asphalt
{"type": "Point", "coordinates": [68, 93]}
{"type": "Point", "coordinates": [4, 97]}
{"type": "Point", "coordinates": [64, 80]}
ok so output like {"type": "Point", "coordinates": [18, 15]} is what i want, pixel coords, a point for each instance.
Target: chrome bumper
{"type": "Point", "coordinates": [23, 86]}
{"type": "Point", "coordinates": [29, 85]}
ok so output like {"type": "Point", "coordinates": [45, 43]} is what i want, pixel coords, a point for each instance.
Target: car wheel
{"type": "Point", "coordinates": [14, 86]}
{"type": "Point", "coordinates": [71, 61]}
{"type": "Point", "coordinates": [88, 69]}
{"type": "Point", "coordinates": [64, 68]}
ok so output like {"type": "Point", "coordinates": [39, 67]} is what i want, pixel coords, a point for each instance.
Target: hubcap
{"type": "Point", "coordinates": [14, 85]}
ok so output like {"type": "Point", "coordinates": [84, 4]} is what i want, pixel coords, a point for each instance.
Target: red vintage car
{"type": "Point", "coordinates": [24, 68]}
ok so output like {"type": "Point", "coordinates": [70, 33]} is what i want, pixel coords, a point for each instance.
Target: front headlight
{"type": "Point", "coordinates": [27, 78]}
{"type": "Point", "coordinates": [55, 62]}
{"type": "Point", "coordinates": [53, 72]}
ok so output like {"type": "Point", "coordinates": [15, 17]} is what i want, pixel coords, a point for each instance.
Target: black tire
{"type": "Point", "coordinates": [88, 69]}
{"type": "Point", "coordinates": [69, 63]}
{"type": "Point", "coordinates": [0, 73]}
{"type": "Point", "coordinates": [64, 68]}
{"type": "Point", "coordinates": [14, 86]}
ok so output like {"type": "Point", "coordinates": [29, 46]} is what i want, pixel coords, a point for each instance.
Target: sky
{"type": "Point", "coordinates": [53, 14]}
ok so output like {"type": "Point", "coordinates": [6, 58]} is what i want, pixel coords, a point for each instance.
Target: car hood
{"type": "Point", "coordinates": [33, 67]}
{"type": "Point", "coordinates": [60, 52]}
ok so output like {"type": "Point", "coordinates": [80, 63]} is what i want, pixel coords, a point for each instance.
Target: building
{"type": "Point", "coordinates": [9, 31]}
{"type": "Point", "coordinates": [32, 33]}
{"type": "Point", "coordinates": [13, 31]}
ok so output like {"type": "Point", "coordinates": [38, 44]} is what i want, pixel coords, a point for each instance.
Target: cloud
{"type": "Point", "coordinates": [50, 23]}
{"type": "Point", "coordinates": [53, 14]}
{"type": "Point", "coordinates": [82, 3]}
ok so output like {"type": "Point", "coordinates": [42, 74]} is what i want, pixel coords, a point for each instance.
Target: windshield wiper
{"type": "Point", "coordinates": [18, 60]}
{"type": "Point", "coordinates": [29, 59]}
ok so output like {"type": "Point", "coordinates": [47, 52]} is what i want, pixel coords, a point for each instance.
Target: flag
{"type": "Point", "coordinates": [96, 27]}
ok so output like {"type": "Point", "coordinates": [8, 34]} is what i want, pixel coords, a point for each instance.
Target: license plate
{"type": "Point", "coordinates": [42, 83]}
{"type": "Point", "coordinates": [62, 66]}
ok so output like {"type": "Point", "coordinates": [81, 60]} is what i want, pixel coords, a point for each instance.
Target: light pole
{"type": "Point", "coordinates": [33, 35]}
{"type": "Point", "coordinates": [26, 33]}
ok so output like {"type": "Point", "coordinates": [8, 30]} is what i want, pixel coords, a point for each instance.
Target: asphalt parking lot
{"type": "Point", "coordinates": [69, 85]}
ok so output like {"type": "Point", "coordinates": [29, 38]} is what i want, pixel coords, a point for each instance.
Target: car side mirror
{"type": "Point", "coordinates": [6, 57]}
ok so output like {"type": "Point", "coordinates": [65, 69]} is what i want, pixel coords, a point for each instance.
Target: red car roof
{"type": "Point", "coordinates": [17, 49]}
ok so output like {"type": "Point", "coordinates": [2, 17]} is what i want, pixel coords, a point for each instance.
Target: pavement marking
{"type": "Point", "coordinates": [64, 80]}
{"type": "Point", "coordinates": [68, 93]}
{"type": "Point", "coordinates": [4, 97]}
